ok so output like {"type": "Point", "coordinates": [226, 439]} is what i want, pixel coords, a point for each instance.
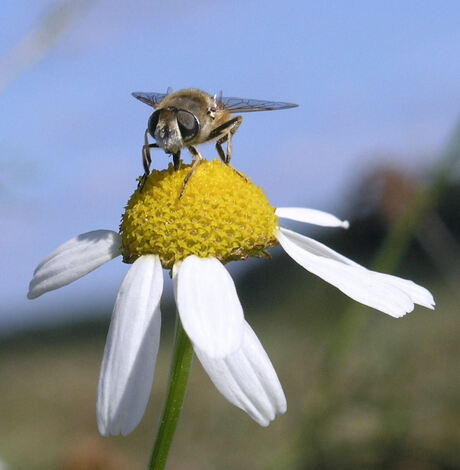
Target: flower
{"type": "Point", "coordinates": [221, 217]}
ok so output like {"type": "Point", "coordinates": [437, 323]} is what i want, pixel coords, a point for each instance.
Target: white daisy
{"type": "Point", "coordinates": [221, 217]}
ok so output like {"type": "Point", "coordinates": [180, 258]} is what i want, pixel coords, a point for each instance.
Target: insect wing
{"type": "Point", "coordinates": [245, 105]}
{"type": "Point", "coordinates": [152, 99]}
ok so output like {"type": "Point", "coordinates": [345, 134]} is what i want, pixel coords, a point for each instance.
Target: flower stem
{"type": "Point", "coordinates": [178, 378]}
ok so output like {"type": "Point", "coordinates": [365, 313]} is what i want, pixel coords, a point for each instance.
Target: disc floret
{"type": "Point", "coordinates": [221, 214]}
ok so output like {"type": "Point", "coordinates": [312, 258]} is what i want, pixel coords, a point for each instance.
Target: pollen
{"type": "Point", "coordinates": [221, 214]}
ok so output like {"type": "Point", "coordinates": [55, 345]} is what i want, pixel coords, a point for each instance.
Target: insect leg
{"type": "Point", "coordinates": [146, 159]}
{"type": "Point", "coordinates": [229, 127]}
{"type": "Point", "coordinates": [219, 148]}
{"type": "Point", "coordinates": [197, 158]}
{"type": "Point", "coordinates": [235, 123]}
{"type": "Point", "coordinates": [233, 129]}
{"type": "Point", "coordinates": [176, 160]}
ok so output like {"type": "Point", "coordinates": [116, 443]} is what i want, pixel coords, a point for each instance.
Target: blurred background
{"type": "Point", "coordinates": [376, 139]}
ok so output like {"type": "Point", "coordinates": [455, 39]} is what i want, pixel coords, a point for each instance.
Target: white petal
{"type": "Point", "coordinates": [131, 349]}
{"type": "Point", "coordinates": [311, 216]}
{"type": "Point", "coordinates": [247, 379]}
{"type": "Point", "coordinates": [208, 305]}
{"type": "Point", "coordinates": [418, 294]}
{"type": "Point", "coordinates": [317, 248]}
{"type": "Point", "coordinates": [74, 259]}
{"type": "Point", "coordinates": [389, 294]}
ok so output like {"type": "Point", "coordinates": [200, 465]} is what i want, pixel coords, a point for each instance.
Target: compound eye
{"type": "Point", "coordinates": [188, 124]}
{"type": "Point", "coordinates": [153, 122]}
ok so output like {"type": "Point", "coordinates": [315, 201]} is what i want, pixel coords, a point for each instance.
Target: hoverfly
{"type": "Point", "coordinates": [190, 117]}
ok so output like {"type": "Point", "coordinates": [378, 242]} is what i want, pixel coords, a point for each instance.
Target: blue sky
{"type": "Point", "coordinates": [371, 78]}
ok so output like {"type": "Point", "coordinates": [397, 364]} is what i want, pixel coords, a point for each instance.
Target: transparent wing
{"type": "Point", "coordinates": [152, 99]}
{"type": "Point", "coordinates": [245, 105]}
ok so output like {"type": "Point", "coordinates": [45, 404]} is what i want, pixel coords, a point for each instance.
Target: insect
{"type": "Point", "coordinates": [190, 117]}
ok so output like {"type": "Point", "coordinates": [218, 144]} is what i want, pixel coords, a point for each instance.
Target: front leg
{"type": "Point", "coordinates": [176, 160]}
{"type": "Point", "coordinates": [146, 159]}
{"type": "Point", "coordinates": [197, 158]}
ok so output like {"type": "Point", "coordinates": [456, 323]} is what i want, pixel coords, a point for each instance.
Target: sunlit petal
{"type": "Point", "coordinates": [74, 259]}
{"type": "Point", "coordinates": [418, 294]}
{"type": "Point", "coordinates": [131, 349]}
{"type": "Point", "coordinates": [311, 216]}
{"type": "Point", "coordinates": [386, 293]}
{"type": "Point", "coordinates": [208, 305]}
{"type": "Point", "coordinates": [247, 379]}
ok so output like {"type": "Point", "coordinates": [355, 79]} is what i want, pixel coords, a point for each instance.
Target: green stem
{"type": "Point", "coordinates": [178, 377]}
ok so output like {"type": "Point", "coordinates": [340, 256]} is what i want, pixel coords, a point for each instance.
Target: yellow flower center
{"type": "Point", "coordinates": [221, 214]}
